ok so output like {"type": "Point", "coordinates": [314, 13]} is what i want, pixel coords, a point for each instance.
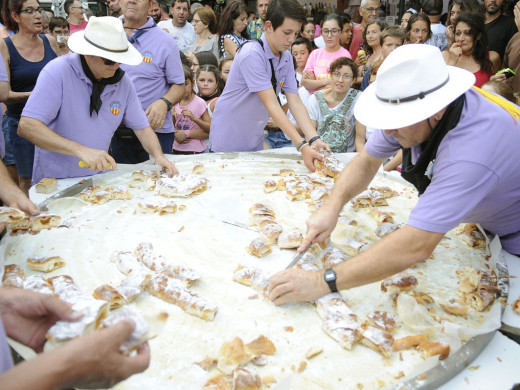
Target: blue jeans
{"type": "Point", "coordinates": [276, 139]}
{"type": "Point", "coordinates": [22, 150]}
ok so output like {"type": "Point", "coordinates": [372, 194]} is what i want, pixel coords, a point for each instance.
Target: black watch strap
{"type": "Point", "coordinates": [168, 103]}
{"type": "Point", "coordinates": [330, 279]}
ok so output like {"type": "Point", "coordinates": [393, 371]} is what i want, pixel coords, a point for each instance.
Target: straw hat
{"type": "Point", "coordinates": [412, 84]}
{"type": "Point", "coordinates": [105, 37]}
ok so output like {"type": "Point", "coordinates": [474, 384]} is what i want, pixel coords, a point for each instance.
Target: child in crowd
{"type": "Point", "coordinates": [208, 83]}
{"type": "Point", "coordinates": [190, 118]}
{"type": "Point", "coordinates": [224, 68]}
{"type": "Point", "coordinates": [300, 49]}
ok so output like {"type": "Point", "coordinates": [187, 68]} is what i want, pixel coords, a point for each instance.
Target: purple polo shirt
{"type": "Point", "coordinates": [3, 78]}
{"type": "Point", "coordinates": [61, 100]}
{"type": "Point", "coordinates": [160, 68]}
{"type": "Point", "coordinates": [6, 361]}
{"type": "Point", "coordinates": [239, 119]}
{"type": "Point", "coordinates": [475, 176]}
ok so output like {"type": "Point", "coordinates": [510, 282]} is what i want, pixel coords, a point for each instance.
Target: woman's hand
{"type": "Point", "coordinates": [454, 54]}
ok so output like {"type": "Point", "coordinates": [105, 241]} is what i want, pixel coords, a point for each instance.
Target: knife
{"type": "Point", "coordinates": [69, 191]}
{"type": "Point", "coordinates": [240, 225]}
{"type": "Point", "coordinates": [298, 257]}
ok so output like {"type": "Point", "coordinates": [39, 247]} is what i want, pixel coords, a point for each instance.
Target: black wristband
{"type": "Point", "coordinates": [317, 137]}
{"type": "Point", "coordinates": [168, 103]}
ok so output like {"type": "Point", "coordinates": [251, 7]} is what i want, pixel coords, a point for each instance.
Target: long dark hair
{"type": "Point", "coordinates": [230, 13]}
{"type": "Point", "coordinates": [468, 6]}
{"type": "Point", "coordinates": [477, 30]}
{"type": "Point", "coordinates": [9, 6]}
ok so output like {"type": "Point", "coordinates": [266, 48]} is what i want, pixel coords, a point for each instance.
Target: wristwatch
{"type": "Point", "coordinates": [168, 103]}
{"type": "Point", "coordinates": [330, 279]}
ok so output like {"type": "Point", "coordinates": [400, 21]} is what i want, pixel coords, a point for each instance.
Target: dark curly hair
{"type": "Point", "coordinates": [480, 39]}
{"type": "Point", "coordinates": [344, 61]}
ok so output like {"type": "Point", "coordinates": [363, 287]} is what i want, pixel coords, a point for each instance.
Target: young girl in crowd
{"type": "Point", "coordinates": [208, 83]}
{"type": "Point", "coordinates": [190, 119]}
{"type": "Point", "coordinates": [418, 29]}
{"type": "Point", "coordinates": [224, 67]}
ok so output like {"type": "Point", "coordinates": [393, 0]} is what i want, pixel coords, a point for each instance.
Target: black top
{"type": "Point", "coordinates": [500, 31]}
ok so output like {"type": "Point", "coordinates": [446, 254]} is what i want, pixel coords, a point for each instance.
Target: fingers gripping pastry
{"type": "Point", "coordinates": [10, 214]}
{"type": "Point", "coordinates": [259, 247]}
{"type": "Point", "coordinates": [45, 264]}
{"type": "Point", "coordinates": [290, 239]}
{"type": "Point", "coordinates": [42, 222]}
{"type": "Point", "coordinates": [46, 185]}
{"type": "Point", "coordinates": [330, 166]}
{"type": "Point", "coordinates": [38, 284]}
{"type": "Point", "coordinates": [13, 277]}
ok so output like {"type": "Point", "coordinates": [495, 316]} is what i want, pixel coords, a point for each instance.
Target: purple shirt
{"type": "Point", "coordinates": [61, 100]}
{"type": "Point", "coordinates": [475, 176]}
{"type": "Point", "coordinates": [160, 68]}
{"type": "Point", "coordinates": [6, 360]}
{"type": "Point", "coordinates": [3, 78]}
{"type": "Point", "coordinates": [239, 119]}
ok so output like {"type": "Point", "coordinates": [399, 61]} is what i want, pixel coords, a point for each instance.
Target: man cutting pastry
{"type": "Point", "coordinates": [458, 143]}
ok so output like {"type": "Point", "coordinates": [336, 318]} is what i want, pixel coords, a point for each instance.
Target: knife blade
{"type": "Point", "coordinates": [69, 191]}
{"type": "Point", "coordinates": [240, 225]}
{"type": "Point", "coordinates": [298, 257]}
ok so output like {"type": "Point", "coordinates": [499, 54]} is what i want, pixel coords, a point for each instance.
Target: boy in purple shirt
{"type": "Point", "coordinates": [62, 124]}
{"type": "Point", "coordinates": [249, 98]}
{"type": "Point", "coordinates": [459, 146]}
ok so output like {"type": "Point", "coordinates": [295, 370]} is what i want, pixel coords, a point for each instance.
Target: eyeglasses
{"type": "Point", "coordinates": [333, 32]}
{"type": "Point", "coordinates": [31, 10]}
{"type": "Point", "coordinates": [77, 7]}
{"type": "Point", "coordinates": [195, 21]}
{"type": "Point", "coordinates": [108, 62]}
{"type": "Point", "coordinates": [339, 76]}
{"type": "Point", "coordinates": [372, 10]}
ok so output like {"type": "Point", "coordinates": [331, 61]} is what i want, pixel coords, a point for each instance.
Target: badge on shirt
{"type": "Point", "coordinates": [147, 57]}
{"type": "Point", "coordinates": [282, 82]}
{"type": "Point", "coordinates": [115, 107]}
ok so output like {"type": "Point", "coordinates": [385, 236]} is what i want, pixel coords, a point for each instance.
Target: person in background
{"type": "Point", "coordinates": [59, 29]}
{"type": "Point", "coordinates": [115, 8]}
{"type": "Point", "coordinates": [406, 17]}
{"type": "Point", "coordinates": [418, 29]}
{"type": "Point", "coordinates": [433, 9]}
{"type": "Point", "coordinates": [205, 25]}
{"type": "Point", "coordinates": [232, 31]}
{"type": "Point", "coordinates": [25, 54]}
{"type": "Point", "coordinates": [252, 17]}
{"type": "Point", "coordinates": [45, 22]}
{"type": "Point", "coordinates": [200, 59]}
{"type": "Point", "coordinates": [154, 11]}
{"type": "Point", "coordinates": [75, 12]}
{"type": "Point", "coordinates": [308, 30]}
{"type": "Point", "coordinates": [225, 67]}
{"type": "Point", "coordinates": [372, 45]}
{"type": "Point", "coordinates": [502, 89]}
{"type": "Point", "coordinates": [256, 28]}
{"type": "Point", "coordinates": [191, 120]}
{"type": "Point", "coordinates": [346, 32]}
{"type": "Point", "coordinates": [301, 50]}
{"type": "Point", "coordinates": [209, 84]}
{"type": "Point", "coordinates": [165, 11]}
{"type": "Point", "coordinates": [178, 27]}
{"type": "Point", "coordinates": [455, 8]}
{"type": "Point", "coordinates": [500, 28]}
{"type": "Point", "coordinates": [369, 11]}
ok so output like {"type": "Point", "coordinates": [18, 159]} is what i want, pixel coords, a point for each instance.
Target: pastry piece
{"type": "Point", "coordinates": [88, 194]}
{"type": "Point", "coordinates": [198, 168]}
{"type": "Point", "coordinates": [382, 320]}
{"type": "Point", "coordinates": [429, 349]}
{"type": "Point", "coordinates": [319, 193]}
{"type": "Point", "coordinates": [13, 277]}
{"type": "Point", "coordinates": [350, 246]}
{"type": "Point", "coordinates": [385, 191]}
{"type": "Point", "coordinates": [261, 346]}
{"type": "Point", "coordinates": [313, 351]}
{"type": "Point", "coordinates": [385, 228]}
{"type": "Point", "coordinates": [10, 214]}
{"type": "Point", "coordinates": [380, 216]}
{"type": "Point", "coordinates": [270, 231]}
{"type": "Point", "coordinates": [109, 294]}
{"type": "Point", "coordinates": [42, 222]}
{"type": "Point", "coordinates": [218, 382]}
{"type": "Point", "coordinates": [167, 208]}
{"type": "Point", "coordinates": [38, 284]}
{"type": "Point", "coordinates": [398, 283]}
{"type": "Point", "coordinates": [45, 264]}
{"type": "Point", "coordinates": [22, 224]}
{"type": "Point", "coordinates": [378, 340]}
{"type": "Point", "coordinates": [338, 321]}
{"type": "Point", "coordinates": [295, 193]}
{"type": "Point", "coordinates": [261, 220]}
{"type": "Point", "coordinates": [180, 185]}
{"type": "Point", "coordinates": [516, 306]}
{"type": "Point", "coordinates": [66, 289]}
{"type": "Point", "coordinates": [174, 291]}
{"type": "Point", "coordinates": [259, 248]}
{"type": "Point", "coordinates": [409, 342]}
{"type": "Point", "coordinates": [252, 277]}
{"type": "Point", "coordinates": [369, 198]}
{"type": "Point", "coordinates": [244, 379]}
{"type": "Point", "coordinates": [101, 197]}
{"type": "Point", "coordinates": [310, 262]}
{"type": "Point", "coordinates": [287, 172]}
{"type": "Point", "coordinates": [480, 299]}
{"type": "Point", "coordinates": [143, 175]}
{"type": "Point", "coordinates": [290, 239]}
{"type": "Point", "coordinates": [472, 236]}
{"type": "Point", "coordinates": [146, 208]}
{"type": "Point", "coordinates": [286, 182]}
{"type": "Point", "coordinates": [331, 257]}
{"type": "Point", "coordinates": [206, 363]}
{"type": "Point", "coordinates": [46, 185]}
{"type": "Point", "coordinates": [125, 261]}
{"type": "Point", "coordinates": [120, 193]}
{"type": "Point", "coordinates": [261, 209]}
{"type": "Point", "coordinates": [456, 310]}
{"type": "Point", "coordinates": [232, 355]}
{"type": "Point", "coordinates": [270, 186]}
{"type": "Point", "coordinates": [330, 166]}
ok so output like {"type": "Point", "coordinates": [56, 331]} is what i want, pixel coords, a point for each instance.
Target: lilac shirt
{"type": "Point", "coordinates": [475, 177]}
{"type": "Point", "coordinates": [61, 100]}
{"type": "Point", "coordinates": [160, 68]}
{"type": "Point", "coordinates": [239, 119]}
{"type": "Point", "coordinates": [3, 78]}
{"type": "Point", "coordinates": [6, 360]}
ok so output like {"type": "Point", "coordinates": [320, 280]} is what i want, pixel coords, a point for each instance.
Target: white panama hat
{"type": "Point", "coordinates": [412, 84]}
{"type": "Point", "coordinates": [105, 37]}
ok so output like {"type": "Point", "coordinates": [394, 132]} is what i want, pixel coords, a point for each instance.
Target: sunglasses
{"type": "Point", "coordinates": [108, 62]}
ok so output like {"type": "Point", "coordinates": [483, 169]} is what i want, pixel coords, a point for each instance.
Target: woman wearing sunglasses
{"type": "Point", "coordinates": [25, 54]}
{"type": "Point", "coordinates": [316, 74]}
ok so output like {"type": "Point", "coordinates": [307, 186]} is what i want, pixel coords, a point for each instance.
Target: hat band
{"type": "Point", "coordinates": [420, 95]}
{"type": "Point", "coordinates": [104, 48]}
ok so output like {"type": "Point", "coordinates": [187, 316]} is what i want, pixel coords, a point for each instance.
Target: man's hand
{"type": "Point", "coordinates": [27, 316]}
{"type": "Point", "coordinates": [296, 285]}
{"type": "Point", "coordinates": [156, 113]}
{"type": "Point", "coordinates": [99, 160]}
{"type": "Point", "coordinates": [167, 165]}
{"type": "Point", "coordinates": [320, 226]}
{"type": "Point", "coordinates": [95, 360]}
{"type": "Point", "coordinates": [309, 155]}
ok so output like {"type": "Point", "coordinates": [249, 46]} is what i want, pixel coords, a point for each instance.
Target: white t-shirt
{"type": "Point", "coordinates": [183, 36]}
{"type": "Point", "coordinates": [319, 42]}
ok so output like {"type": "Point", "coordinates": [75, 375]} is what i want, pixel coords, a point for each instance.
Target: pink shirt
{"type": "Point", "coordinates": [197, 106]}
{"type": "Point", "coordinates": [319, 62]}
{"type": "Point", "coordinates": [73, 28]}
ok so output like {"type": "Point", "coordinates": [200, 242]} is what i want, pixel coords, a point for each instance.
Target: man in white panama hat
{"type": "Point", "coordinates": [458, 145]}
{"type": "Point", "coordinates": [79, 101]}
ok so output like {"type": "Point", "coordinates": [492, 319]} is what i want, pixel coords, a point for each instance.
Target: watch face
{"type": "Point", "coordinates": [330, 275]}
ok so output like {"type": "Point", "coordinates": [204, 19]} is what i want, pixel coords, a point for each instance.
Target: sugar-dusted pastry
{"type": "Point", "coordinates": [125, 261]}
{"type": "Point", "coordinates": [42, 222]}
{"type": "Point", "coordinates": [377, 339]}
{"type": "Point", "coordinates": [270, 232]}
{"type": "Point", "coordinates": [143, 175]}
{"type": "Point", "coordinates": [261, 209]}
{"type": "Point", "coordinates": [287, 172]}
{"type": "Point", "coordinates": [409, 342]}
{"type": "Point", "coordinates": [261, 220]}
{"type": "Point", "coordinates": [382, 320]}
{"type": "Point", "coordinates": [429, 348]}
{"type": "Point", "coordinates": [38, 284]}
{"type": "Point", "coordinates": [246, 379]}
{"type": "Point", "coordinates": [290, 239]}
{"type": "Point", "coordinates": [232, 355]}
{"type": "Point", "coordinates": [295, 193]}
{"type": "Point", "coordinates": [46, 185]}
{"type": "Point", "coordinates": [22, 224]}
{"type": "Point", "coordinates": [88, 194]}
{"type": "Point", "coordinates": [259, 247]}
{"type": "Point", "coordinates": [480, 299]}
{"type": "Point", "coordinates": [146, 207]}
{"type": "Point", "coordinates": [350, 246]}
{"type": "Point", "coordinates": [516, 306]}
{"type": "Point", "coordinates": [330, 166]}
{"type": "Point", "coordinates": [218, 382]}
{"type": "Point", "coordinates": [270, 186]}
{"type": "Point", "coordinates": [319, 193]}
{"type": "Point", "coordinates": [66, 289]}
{"type": "Point", "coordinates": [472, 236]}
{"type": "Point", "coordinates": [380, 216]}
{"type": "Point", "coordinates": [45, 264]}
{"type": "Point", "coordinates": [180, 185]}
{"type": "Point", "coordinates": [399, 282]}
{"type": "Point", "coordinates": [385, 228]}
{"type": "Point", "coordinates": [10, 214]}
{"type": "Point", "coordinates": [167, 208]}
{"type": "Point", "coordinates": [332, 256]}
{"type": "Point", "coordinates": [385, 191]}
{"type": "Point", "coordinates": [174, 291]}
{"type": "Point", "coordinates": [286, 182]}
{"type": "Point", "coordinates": [109, 294]}
{"type": "Point", "coordinates": [252, 277]}
{"type": "Point", "coordinates": [13, 277]}
{"type": "Point", "coordinates": [120, 193]}
{"type": "Point", "coordinates": [198, 168]}
{"type": "Point", "coordinates": [457, 310]}
{"type": "Point", "coordinates": [261, 346]}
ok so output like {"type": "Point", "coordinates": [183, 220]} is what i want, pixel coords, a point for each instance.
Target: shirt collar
{"type": "Point", "coordinates": [268, 52]}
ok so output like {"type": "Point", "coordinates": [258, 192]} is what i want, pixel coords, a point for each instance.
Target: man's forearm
{"type": "Point", "coordinates": [175, 93]}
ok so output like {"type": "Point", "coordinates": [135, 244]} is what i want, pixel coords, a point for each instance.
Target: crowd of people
{"type": "Point", "coordinates": [83, 95]}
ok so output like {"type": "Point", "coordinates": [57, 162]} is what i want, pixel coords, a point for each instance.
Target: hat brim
{"type": "Point", "coordinates": [78, 44]}
{"type": "Point", "coordinates": [375, 113]}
